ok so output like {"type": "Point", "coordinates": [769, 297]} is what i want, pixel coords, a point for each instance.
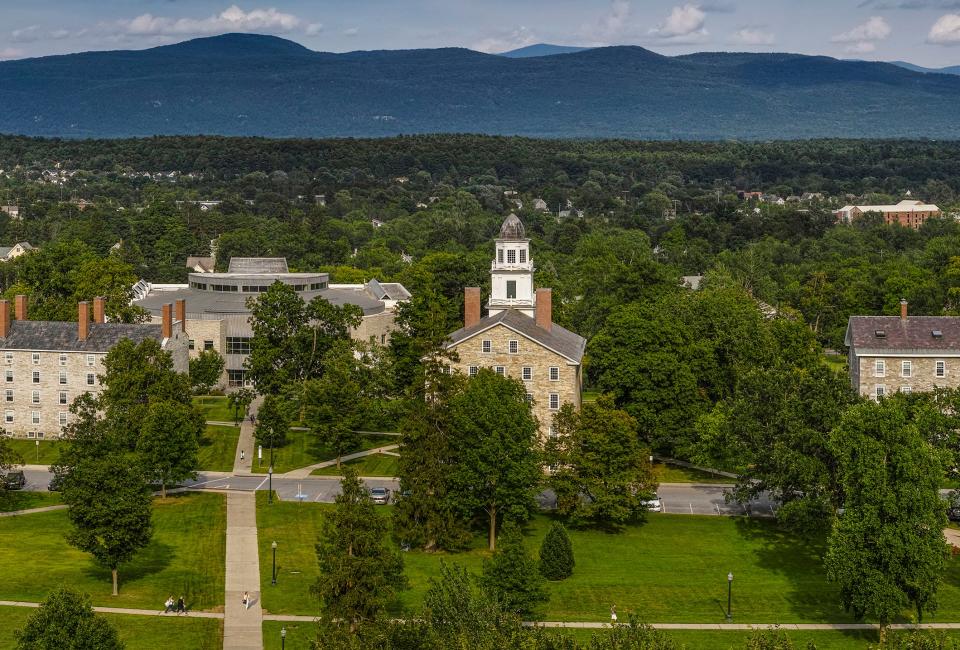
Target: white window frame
{"type": "Point", "coordinates": [513, 347]}
{"type": "Point", "coordinates": [527, 373]}
{"type": "Point", "coordinates": [63, 359]}
{"type": "Point", "coordinates": [500, 370]}
{"type": "Point", "coordinates": [486, 346]}
{"type": "Point", "coordinates": [906, 389]}
{"type": "Point", "coordinates": [91, 360]}
{"type": "Point", "coordinates": [9, 376]}
{"type": "Point", "coordinates": [529, 398]}
{"type": "Point", "coordinates": [906, 368]}
{"type": "Point", "coordinates": [62, 418]}
{"type": "Point", "coordinates": [554, 401]}
{"type": "Point", "coordinates": [63, 378]}
{"type": "Point", "coordinates": [472, 371]}
{"type": "Point", "coordinates": [35, 397]}
{"type": "Point", "coordinates": [8, 416]}
{"type": "Point", "coordinates": [9, 357]}
{"type": "Point", "coordinates": [36, 376]}
{"type": "Point", "coordinates": [63, 398]}
{"type": "Point", "coordinates": [940, 368]}
{"type": "Point", "coordinates": [511, 256]}
{"type": "Point", "coordinates": [34, 417]}
{"type": "Point", "coordinates": [879, 368]}
{"type": "Point", "coordinates": [91, 379]}
{"type": "Point", "coordinates": [879, 391]}
{"type": "Point", "coordinates": [554, 373]}
{"type": "Point", "coordinates": [8, 395]}
{"type": "Point", "coordinates": [35, 358]}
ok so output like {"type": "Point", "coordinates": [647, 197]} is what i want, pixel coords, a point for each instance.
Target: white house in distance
{"type": "Point", "coordinates": [8, 253]}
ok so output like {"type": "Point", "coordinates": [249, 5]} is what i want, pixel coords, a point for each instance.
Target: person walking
{"type": "Point", "coordinates": [246, 600]}
{"type": "Point", "coordinates": [241, 454]}
{"type": "Point", "coordinates": [168, 605]}
{"type": "Point", "coordinates": [613, 614]}
{"type": "Point", "coordinates": [181, 607]}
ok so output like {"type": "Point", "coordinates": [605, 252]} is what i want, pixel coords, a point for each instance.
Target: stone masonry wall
{"type": "Point", "coordinates": [922, 376]}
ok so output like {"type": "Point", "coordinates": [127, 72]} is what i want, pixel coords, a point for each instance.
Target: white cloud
{"type": "Point", "coordinates": [25, 34]}
{"type": "Point", "coordinates": [875, 29]}
{"type": "Point", "coordinates": [752, 36]}
{"type": "Point", "coordinates": [351, 31]}
{"type": "Point", "coordinates": [232, 19]}
{"type": "Point", "coordinates": [610, 26]}
{"type": "Point", "coordinates": [863, 47]}
{"type": "Point", "coordinates": [946, 31]}
{"type": "Point", "coordinates": [10, 53]}
{"type": "Point", "coordinates": [313, 29]}
{"type": "Point", "coordinates": [683, 22]}
{"type": "Point", "coordinates": [504, 42]}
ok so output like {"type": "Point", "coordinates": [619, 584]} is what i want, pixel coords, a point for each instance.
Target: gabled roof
{"type": "Point", "coordinates": [62, 336]}
{"type": "Point", "coordinates": [891, 333]}
{"type": "Point", "coordinates": [559, 340]}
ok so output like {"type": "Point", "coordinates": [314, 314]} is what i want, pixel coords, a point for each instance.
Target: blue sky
{"type": "Point", "coordinates": [926, 32]}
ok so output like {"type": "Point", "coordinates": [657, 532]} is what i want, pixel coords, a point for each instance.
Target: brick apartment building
{"type": "Point", "coordinates": [907, 213]}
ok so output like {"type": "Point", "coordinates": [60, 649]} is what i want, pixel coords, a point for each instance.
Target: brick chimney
{"type": "Point", "coordinates": [4, 319]}
{"type": "Point", "coordinates": [20, 306]}
{"type": "Point", "coordinates": [180, 313]}
{"type": "Point", "coordinates": [903, 309]}
{"type": "Point", "coordinates": [166, 324]}
{"type": "Point", "coordinates": [99, 309]}
{"type": "Point", "coordinates": [545, 309]}
{"type": "Point", "coordinates": [471, 306]}
{"type": "Point", "coordinates": [83, 320]}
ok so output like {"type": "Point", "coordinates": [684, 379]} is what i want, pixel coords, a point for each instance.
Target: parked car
{"type": "Point", "coordinates": [654, 505]}
{"type": "Point", "coordinates": [953, 514]}
{"type": "Point", "coordinates": [15, 480]}
{"type": "Point", "coordinates": [55, 483]}
{"type": "Point", "coordinates": [380, 496]}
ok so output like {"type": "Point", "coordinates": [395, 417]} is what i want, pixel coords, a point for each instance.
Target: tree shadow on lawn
{"type": "Point", "coordinates": [799, 559]}
{"type": "Point", "coordinates": [148, 562]}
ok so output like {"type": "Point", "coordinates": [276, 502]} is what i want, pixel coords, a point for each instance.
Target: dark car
{"type": "Point", "coordinates": [953, 514]}
{"type": "Point", "coordinates": [55, 483]}
{"type": "Point", "coordinates": [15, 480]}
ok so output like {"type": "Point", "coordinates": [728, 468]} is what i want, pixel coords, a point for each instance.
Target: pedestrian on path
{"type": "Point", "coordinates": [241, 454]}
{"type": "Point", "coordinates": [613, 614]}
{"type": "Point", "coordinates": [168, 605]}
{"type": "Point", "coordinates": [181, 608]}
{"type": "Point", "coordinates": [246, 600]}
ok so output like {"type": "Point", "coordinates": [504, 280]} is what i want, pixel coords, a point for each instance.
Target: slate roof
{"type": "Point", "coordinates": [258, 265]}
{"type": "Point", "coordinates": [913, 334]}
{"type": "Point", "coordinates": [560, 340]}
{"type": "Point", "coordinates": [62, 336]}
{"type": "Point", "coordinates": [216, 302]}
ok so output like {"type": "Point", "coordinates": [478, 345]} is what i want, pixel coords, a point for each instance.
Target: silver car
{"type": "Point", "coordinates": [380, 496]}
{"type": "Point", "coordinates": [654, 505]}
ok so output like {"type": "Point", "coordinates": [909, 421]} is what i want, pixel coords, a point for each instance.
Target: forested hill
{"type": "Point", "coordinates": [260, 85]}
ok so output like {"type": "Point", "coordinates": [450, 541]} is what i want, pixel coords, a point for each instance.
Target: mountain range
{"type": "Point", "coordinates": [244, 84]}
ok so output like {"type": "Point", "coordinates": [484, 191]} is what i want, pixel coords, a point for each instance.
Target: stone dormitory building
{"type": "Point", "coordinates": [218, 317]}
{"type": "Point", "coordinates": [890, 354]}
{"type": "Point", "coordinates": [47, 364]}
{"type": "Point", "coordinates": [518, 337]}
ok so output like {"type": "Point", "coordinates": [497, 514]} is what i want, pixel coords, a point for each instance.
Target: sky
{"type": "Point", "coordinates": [924, 32]}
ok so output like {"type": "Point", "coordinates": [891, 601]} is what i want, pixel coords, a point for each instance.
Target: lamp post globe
{"type": "Point", "coordinates": [270, 486]}
{"type": "Point", "coordinates": [283, 637]}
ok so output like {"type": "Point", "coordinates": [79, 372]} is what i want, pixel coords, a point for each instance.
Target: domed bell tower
{"type": "Point", "coordinates": [511, 273]}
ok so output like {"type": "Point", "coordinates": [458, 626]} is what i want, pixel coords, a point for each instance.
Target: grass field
{"type": "Point", "coordinates": [48, 450]}
{"type": "Point", "coordinates": [19, 500]}
{"type": "Point", "coordinates": [215, 408]}
{"type": "Point", "coordinates": [218, 447]}
{"type": "Point", "coordinates": [185, 557]}
{"type": "Point", "coordinates": [302, 449]}
{"type": "Point", "coordinates": [373, 465]}
{"type": "Point", "coordinates": [299, 635]}
{"type": "Point", "coordinates": [136, 632]}
{"type": "Point", "coordinates": [835, 362]}
{"type": "Point", "coordinates": [676, 474]}
{"type": "Point", "coordinates": [672, 569]}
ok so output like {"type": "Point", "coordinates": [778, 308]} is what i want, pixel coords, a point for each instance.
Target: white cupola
{"type": "Point", "coordinates": [511, 273]}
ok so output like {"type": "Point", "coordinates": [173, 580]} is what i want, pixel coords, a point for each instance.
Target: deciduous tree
{"type": "Point", "coordinates": [66, 621]}
{"type": "Point", "coordinates": [205, 371]}
{"type": "Point", "coordinates": [169, 443]}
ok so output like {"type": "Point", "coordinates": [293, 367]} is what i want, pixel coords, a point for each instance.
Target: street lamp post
{"type": "Point", "coordinates": [283, 637]}
{"type": "Point", "coordinates": [274, 547]}
{"type": "Point", "coordinates": [270, 486]}
{"type": "Point", "coordinates": [729, 594]}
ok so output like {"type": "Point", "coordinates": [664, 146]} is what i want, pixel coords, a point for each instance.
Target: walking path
{"type": "Point", "coordinates": [246, 443]}
{"type": "Point", "coordinates": [242, 626]}
{"type": "Point", "coordinates": [119, 610]}
{"type": "Point", "coordinates": [304, 472]}
{"type": "Point", "coordinates": [30, 511]}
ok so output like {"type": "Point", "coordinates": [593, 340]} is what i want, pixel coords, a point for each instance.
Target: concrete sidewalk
{"type": "Point", "coordinates": [30, 511]}
{"type": "Point", "coordinates": [304, 472]}
{"type": "Point", "coordinates": [242, 627]}
{"type": "Point", "coordinates": [120, 610]}
{"type": "Point", "coordinates": [246, 442]}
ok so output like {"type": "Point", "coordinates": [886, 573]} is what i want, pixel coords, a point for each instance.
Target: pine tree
{"type": "Point", "coordinates": [511, 575]}
{"type": "Point", "coordinates": [556, 554]}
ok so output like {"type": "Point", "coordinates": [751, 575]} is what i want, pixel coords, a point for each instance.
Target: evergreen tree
{"type": "Point", "coordinates": [358, 573]}
{"type": "Point", "coordinates": [66, 621]}
{"type": "Point", "coordinates": [556, 554]}
{"type": "Point", "coordinates": [511, 575]}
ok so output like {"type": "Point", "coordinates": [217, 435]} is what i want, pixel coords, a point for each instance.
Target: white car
{"type": "Point", "coordinates": [654, 505]}
{"type": "Point", "coordinates": [380, 496]}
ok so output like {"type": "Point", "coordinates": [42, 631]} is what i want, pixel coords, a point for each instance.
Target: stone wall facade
{"type": "Point", "coordinates": [923, 374]}
{"type": "Point", "coordinates": [538, 359]}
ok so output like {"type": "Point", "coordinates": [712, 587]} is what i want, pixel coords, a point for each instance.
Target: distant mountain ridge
{"type": "Point", "coordinates": [952, 69]}
{"type": "Point", "coordinates": [243, 84]}
{"type": "Point", "coordinates": [542, 49]}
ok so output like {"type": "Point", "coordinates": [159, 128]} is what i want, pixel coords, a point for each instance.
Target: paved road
{"type": "Point", "coordinates": [676, 498]}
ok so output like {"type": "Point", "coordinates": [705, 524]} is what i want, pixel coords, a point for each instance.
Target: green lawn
{"type": "Point", "coordinates": [676, 474]}
{"type": "Point", "coordinates": [185, 557]}
{"type": "Point", "coordinates": [835, 362]}
{"type": "Point", "coordinates": [302, 449]}
{"type": "Point", "coordinates": [218, 447]}
{"type": "Point", "coordinates": [19, 500]}
{"type": "Point", "coordinates": [299, 635]}
{"type": "Point", "coordinates": [672, 569]}
{"type": "Point", "coordinates": [215, 408]}
{"type": "Point", "coordinates": [136, 632]}
{"type": "Point", "coordinates": [373, 465]}
{"type": "Point", "coordinates": [46, 453]}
